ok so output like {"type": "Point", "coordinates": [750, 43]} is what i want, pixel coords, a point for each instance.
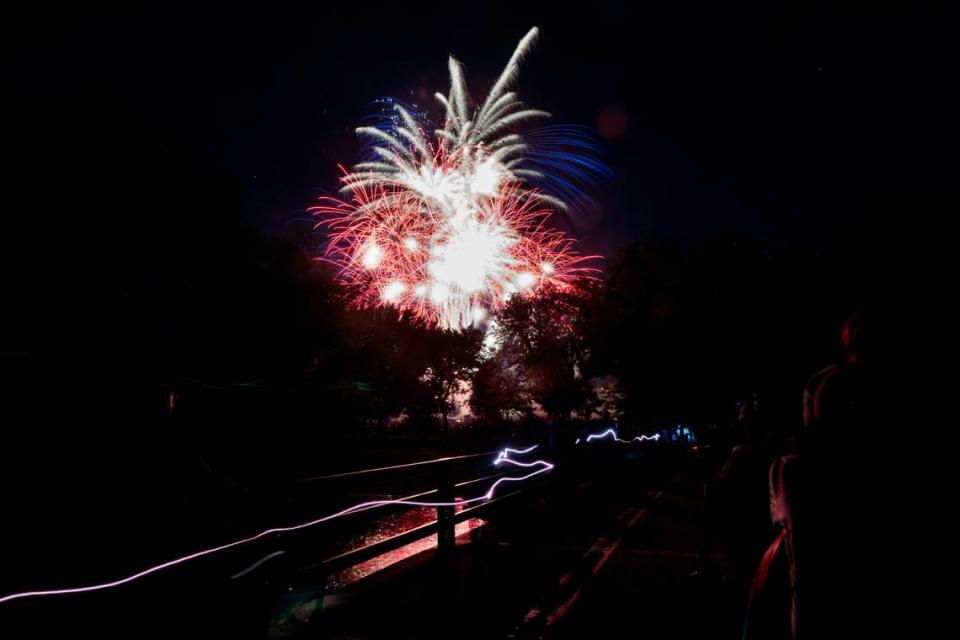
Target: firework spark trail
{"type": "Point", "coordinates": [502, 456]}
{"type": "Point", "coordinates": [448, 226]}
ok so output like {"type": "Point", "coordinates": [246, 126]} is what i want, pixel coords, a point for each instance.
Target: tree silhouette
{"type": "Point", "coordinates": [543, 355]}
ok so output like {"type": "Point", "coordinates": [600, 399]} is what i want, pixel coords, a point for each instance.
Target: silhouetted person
{"type": "Point", "coordinates": [819, 498]}
{"type": "Point", "coordinates": [742, 489]}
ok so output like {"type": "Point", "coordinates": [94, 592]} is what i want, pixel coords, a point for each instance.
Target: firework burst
{"type": "Point", "coordinates": [447, 227]}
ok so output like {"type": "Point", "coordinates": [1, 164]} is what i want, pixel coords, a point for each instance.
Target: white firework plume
{"type": "Point", "coordinates": [479, 152]}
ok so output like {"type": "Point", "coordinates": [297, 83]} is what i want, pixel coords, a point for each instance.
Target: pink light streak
{"type": "Point", "coordinates": [502, 456]}
{"type": "Point", "coordinates": [387, 468]}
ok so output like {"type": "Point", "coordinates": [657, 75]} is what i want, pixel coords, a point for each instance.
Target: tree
{"type": "Point", "coordinates": [450, 358]}
{"type": "Point", "coordinates": [543, 353]}
{"type": "Point", "coordinates": [498, 392]}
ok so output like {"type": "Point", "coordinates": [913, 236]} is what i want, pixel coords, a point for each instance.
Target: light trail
{"type": "Point", "coordinates": [502, 456]}
{"type": "Point", "coordinates": [612, 432]}
{"type": "Point", "coordinates": [256, 564]}
{"type": "Point", "coordinates": [406, 465]}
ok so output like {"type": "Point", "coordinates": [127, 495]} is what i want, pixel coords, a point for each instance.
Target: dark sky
{"type": "Point", "coordinates": [775, 122]}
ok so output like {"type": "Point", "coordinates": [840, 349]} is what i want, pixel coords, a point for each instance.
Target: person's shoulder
{"type": "Point", "coordinates": [816, 380]}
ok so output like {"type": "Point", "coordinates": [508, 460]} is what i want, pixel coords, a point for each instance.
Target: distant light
{"type": "Point", "coordinates": [492, 339]}
{"type": "Point", "coordinates": [547, 268]}
{"type": "Point", "coordinates": [420, 290]}
{"type": "Point", "coordinates": [410, 244]}
{"type": "Point", "coordinates": [479, 314]}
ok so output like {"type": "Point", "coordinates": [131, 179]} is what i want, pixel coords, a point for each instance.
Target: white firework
{"type": "Point", "coordinates": [480, 154]}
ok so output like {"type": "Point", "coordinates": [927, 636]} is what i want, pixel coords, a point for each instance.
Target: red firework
{"type": "Point", "coordinates": [446, 266]}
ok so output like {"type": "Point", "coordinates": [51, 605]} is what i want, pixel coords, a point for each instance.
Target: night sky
{"type": "Point", "coordinates": [778, 124]}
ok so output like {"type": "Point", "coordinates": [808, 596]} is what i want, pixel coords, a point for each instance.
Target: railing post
{"type": "Point", "coordinates": [446, 538]}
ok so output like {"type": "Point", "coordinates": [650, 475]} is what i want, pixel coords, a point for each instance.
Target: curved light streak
{"type": "Point", "coordinates": [613, 433]}
{"type": "Point", "coordinates": [502, 456]}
